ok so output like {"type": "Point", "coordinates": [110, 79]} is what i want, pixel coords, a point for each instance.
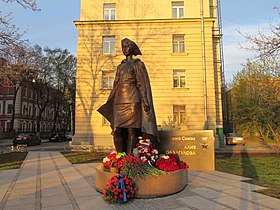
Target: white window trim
{"type": "Point", "coordinates": [179, 115]}
{"type": "Point", "coordinates": [111, 74]}
{"type": "Point", "coordinates": [178, 9]}
{"type": "Point", "coordinates": [109, 10]}
{"type": "Point", "coordinates": [110, 51]}
{"type": "Point", "coordinates": [178, 43]}
{"type": "Point", "coordinates": [6, 110]}
{"type": "Point", "coordinates": [180, 86]}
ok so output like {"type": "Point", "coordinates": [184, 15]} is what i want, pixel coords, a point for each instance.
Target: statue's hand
{"type": "Point", "coordinates": [146, 107]}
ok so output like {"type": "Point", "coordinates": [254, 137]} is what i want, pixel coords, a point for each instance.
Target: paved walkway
{"type": "Point", "coordinates": [48, 181]}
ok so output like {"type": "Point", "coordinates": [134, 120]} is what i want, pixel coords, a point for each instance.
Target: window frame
{"type": "Point", "coordinates": [111, 40]}
{"type": "Point", "coordinates": [7, 107]}
{"type": "Point", "coordinates": [180, 114]}
{"type": "Point", "coordinates": [183, 72]}
{"type": "Point", "coordinates": [110, 10]}
{"type": "Point", "coordinates": [178, 42]}
{"type": "Point", "coordinates": [110, 79]}
{"type": "Point", "coordinates": [178, 8]}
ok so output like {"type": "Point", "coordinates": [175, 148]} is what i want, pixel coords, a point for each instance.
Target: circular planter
{"type": "Point", "coordinates": [149, 186]}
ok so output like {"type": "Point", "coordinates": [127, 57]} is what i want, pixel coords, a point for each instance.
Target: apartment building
{"type": "Point", "coordinates": [26, 110]}
{"type": "Point", "coordinates": [180, 45]}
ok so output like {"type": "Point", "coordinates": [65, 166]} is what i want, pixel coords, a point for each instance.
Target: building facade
{"type": "Point", "coordinates": [180, 43]}
{"type": "Point", "coordinates": [26, 110]}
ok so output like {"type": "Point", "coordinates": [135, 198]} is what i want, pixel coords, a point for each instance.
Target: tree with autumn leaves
{"type": "Point", "coordinates": [255, 91]}
{"type": "Point", "coordinates": [51, 70]}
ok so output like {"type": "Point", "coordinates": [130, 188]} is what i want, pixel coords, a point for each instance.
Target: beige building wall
{"type": "Point", "coordinates": [149, 23]}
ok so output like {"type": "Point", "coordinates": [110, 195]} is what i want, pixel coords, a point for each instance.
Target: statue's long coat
{"type": "Point", "coordinates": [148, 120]}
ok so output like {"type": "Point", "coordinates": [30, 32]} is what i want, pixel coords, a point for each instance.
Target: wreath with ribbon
{"type": "Point", "coordinates": [119, 189]}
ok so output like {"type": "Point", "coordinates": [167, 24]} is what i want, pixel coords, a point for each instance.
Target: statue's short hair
{"type": "Point", "coordinates": [136, 50]}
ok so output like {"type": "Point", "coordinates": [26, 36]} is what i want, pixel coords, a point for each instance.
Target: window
{"type": "Point", "coordinates": [179, 78]}
{"type": "Point", "coordinates": [178, 43]}
{"type": "Point", "coordinates": [109, 11]}
{"type": "Point", "coordinates": [108, 44]}
{"type": "Point", "coordinates": [177, 9]}
{"type": "Point", "coordinates": [23, 126]}
{"type": "Point", "coordinates": [107, 79]}
{"type": "Point", "coordinates": [29, 127]}
{"type": "Point", "coordinates": [35, 127]}
{"type": "Point", "coordinates": [30, 110]}
{"type": "Point", "coordinates": [179, 114]}
{"type": "Point", "coordinates": [24, 108]}
{"type": "Point", "coordinates": [9, 109]}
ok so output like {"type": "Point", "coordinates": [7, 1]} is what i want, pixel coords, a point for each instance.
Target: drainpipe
{"type": "Point", "coordinates": [203, 64]}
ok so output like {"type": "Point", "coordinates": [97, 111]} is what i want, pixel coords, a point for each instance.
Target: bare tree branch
{"type": "Point", "coordinates": [264, 42]}
{"type": "Point", "coordinates": [27, 4]}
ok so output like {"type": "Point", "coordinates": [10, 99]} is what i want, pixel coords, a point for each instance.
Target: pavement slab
{"type": "Point", "coordinates": [48, 181]}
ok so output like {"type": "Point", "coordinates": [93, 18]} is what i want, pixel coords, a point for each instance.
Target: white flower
{"type": "Point", "coordinates": [155, 151]}
{"type": "Point", "coordinates": [165, 157]}
{"type": "Point", "coordinates": [143, 158]}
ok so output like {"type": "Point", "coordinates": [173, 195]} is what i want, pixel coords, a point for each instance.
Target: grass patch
{"type": "Point", "coordinates": [264, 171]}
{"type": "Point", "coordinates": [84, 157]}
{"type": "Point", "coordinates": [12, 160]}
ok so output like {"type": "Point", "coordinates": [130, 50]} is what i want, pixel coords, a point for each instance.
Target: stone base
{"type": "Point", "coordinates": [151, 185]}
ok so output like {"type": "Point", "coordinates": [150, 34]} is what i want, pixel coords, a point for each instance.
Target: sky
{"type": "Point", "coordinates": [53, 25]}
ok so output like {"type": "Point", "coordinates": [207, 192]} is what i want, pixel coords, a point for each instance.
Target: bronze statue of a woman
{"type": "Point", "coordinates": [129, 107]}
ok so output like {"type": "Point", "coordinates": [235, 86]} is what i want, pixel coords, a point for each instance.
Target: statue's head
{"type": "Point", "coordinates": [130, 48]}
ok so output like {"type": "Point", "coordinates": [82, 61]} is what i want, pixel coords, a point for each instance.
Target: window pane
{"type": "Point", "coordinates": [111, 82]}
{"type": "Point", "coordinates": [182, 117]}
{"type": "Point", "coordinates": [179, 72]}
{"type": "Point", "coordinates": [112, 47]}
{"type": "Point", "coordinates": [176, 118]}
{"type": "Point", "coordinates": [108, 45]}
{"type": "Point", "coordinates": [107, 79]}
{"type": "Point", "coordinates": [109, 6]}
{"type": "Point", "coordinates": [178, 3]}
{"type": "Point", "coordinates": [175, 47]}
{"type": "Point", "coordinates": [105, 47]}
{"type": "Point", "coordinates": [178, 37]}
{"type": "Point", "coordinates": [181, 12]}
{"type": "Point", "coordinates": [106, 15]}
{"type": "Point", "coordinates": [182, 81]}
{"type": "Point", "coordinates": [105, 84]}
{"type": "Point", "coordinates": [179, 114]}
{"type": "Point", "coordinates": [176, 82]}
{"type": "Point", "coordinates": [174, 13]}
{"type": "Point", "coordinates": [10, 109]}
{"type": "Point", "coordinates": [113, 15]}
{"type": "Point", "coordinates": [182, 47]}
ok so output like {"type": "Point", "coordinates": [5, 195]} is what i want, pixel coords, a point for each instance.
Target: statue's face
{"type": "Point", "coordinates": [127, 48]}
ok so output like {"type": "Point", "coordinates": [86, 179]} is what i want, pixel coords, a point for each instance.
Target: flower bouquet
{"type": "Point", "coordinates": [111, 160]}
{"type": "Point", "coordinates": [146, 151]}
{"type": "Point", "coordinates": [119, 189]}
{"type": "Point", "coordinates": [170, 163]}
